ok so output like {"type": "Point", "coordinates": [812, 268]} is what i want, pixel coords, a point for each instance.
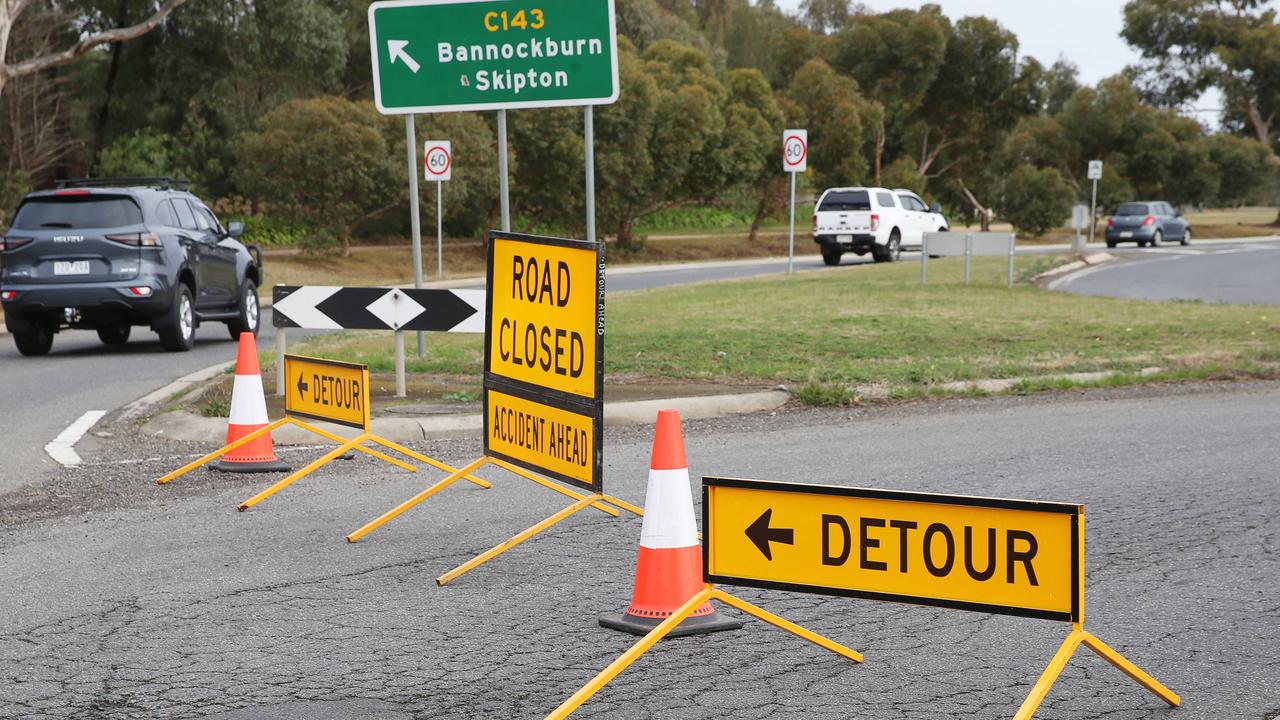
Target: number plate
{"type": "Point", "coordinates": [79, 267]}
{"type": "Point", "coordinates": [844, 238]}
{"type": "Point", "coordinates": [1126, 234]}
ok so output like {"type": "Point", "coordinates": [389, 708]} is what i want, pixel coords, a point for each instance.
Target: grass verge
{"type": "Point", "coordinates": [845, 335]}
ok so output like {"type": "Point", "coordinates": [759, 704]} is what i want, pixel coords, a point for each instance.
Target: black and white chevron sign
{"type": "Point", "coordinates": [318, 307]}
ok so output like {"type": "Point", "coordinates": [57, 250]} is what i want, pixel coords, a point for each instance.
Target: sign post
{"type": "Point", "coordinates": [415, 223]}
{"type": "Point", "coordinates": [1095, 174]}
{"type": "Point", "coordinates": [438, 159]}
{"type": "Point", "coordinates": [795, 159]}
{"type": "Point", "coordinates": [543, 378]}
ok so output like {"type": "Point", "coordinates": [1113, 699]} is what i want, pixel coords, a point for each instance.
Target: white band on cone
{"type": "Point", "coordinates": [248, 404]}
{"type": "Point", "coordinates": [668, 511]}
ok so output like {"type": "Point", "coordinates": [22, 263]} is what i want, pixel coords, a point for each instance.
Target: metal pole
{"type": "Point", "coordinates": [791, 244]}
{"type": "Point", "coordinates": [415, 222]}
{"type": "Point", "coordinates": [924, 258]}
{"type": "Point", "coordinates": [589, 143]}
{"type": "Point", "coordinates": [504, 189]}
{"type": "Point", "coordinates": [968, 255]}
{"type": "Point", "coordinates": [439, 229]}
{"type": "Point", "coordinates": [400, 381]}
{"type": "Point", "coordinates": [1093, 210]}
{"type": "Point", "coordinates": [280, 351]}
{"type": "Point", "coordinates": [1013, 241]}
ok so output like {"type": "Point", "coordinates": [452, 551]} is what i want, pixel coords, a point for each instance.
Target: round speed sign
{"type": "Point", "coordinates": [438, 158]}
{"type": "Point", "coordinates": [795, 150]}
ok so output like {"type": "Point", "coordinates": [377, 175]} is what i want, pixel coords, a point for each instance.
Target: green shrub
{"type": "Point", "coordinates": [1036, 201]}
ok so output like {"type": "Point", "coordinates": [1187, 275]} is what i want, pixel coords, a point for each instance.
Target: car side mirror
{"type": "Point", "coordinates": [936, 208]}
{"type": "Point", "coordinates": [235, 228]}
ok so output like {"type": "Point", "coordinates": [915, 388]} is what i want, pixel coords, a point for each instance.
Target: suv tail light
{"type": "Point", "coordinates": [815, 223]}
{"type": "Point", "coordinates": [875, 223]}
{"type": "Point", "coordinates": [8, 294]}
{"type": "Point", "coordinates": [12, 243]}
{"type": "Point", "coordinates": [1111, 223]}
{"type": "Point", "coordinates": [136, 239]}
{"type": "Point", "coordinates": [1150, 220]}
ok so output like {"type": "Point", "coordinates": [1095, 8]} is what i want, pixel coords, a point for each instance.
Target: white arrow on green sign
{"type": "Point", "coordinates": [453, 55]}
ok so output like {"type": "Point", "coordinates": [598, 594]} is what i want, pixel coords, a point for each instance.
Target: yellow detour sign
{"type": "Point", "coordinates": [328, 390]}
{"type": "Point", "coordinates": [1011, 557]}
{"type": "Point", "coordinates": [544, 356]}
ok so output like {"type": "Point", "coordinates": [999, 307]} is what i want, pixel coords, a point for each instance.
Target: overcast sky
{"type": "Point", "coordinates": [1086, 32]}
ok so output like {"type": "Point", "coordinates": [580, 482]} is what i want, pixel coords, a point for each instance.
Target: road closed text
{"type": "Point", "coordinates": [542, 328]}
{"type": "Point", "coordinates": [1008, 556]}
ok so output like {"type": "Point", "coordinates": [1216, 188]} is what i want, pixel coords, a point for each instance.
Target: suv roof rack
{"type": "Point", "coordinates": [163, 183]}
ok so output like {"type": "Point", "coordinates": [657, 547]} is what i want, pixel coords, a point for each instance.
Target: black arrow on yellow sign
{"type": "Point", "coordinates": [302, 387]}
{"type": "Point", "coordinates": [761, 534]}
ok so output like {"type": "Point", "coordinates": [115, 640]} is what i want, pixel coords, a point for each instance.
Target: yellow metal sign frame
{"type": "Point", "coordinates": [344, 445]}
{"type": "Point", "coordinates": [358, 390]}
{"type": "Point", "coordinates": [915, 510]}
{"type": "Point", "coordinates": [574, 406]}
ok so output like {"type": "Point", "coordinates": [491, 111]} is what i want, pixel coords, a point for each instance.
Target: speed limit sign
{"type": "Point", "coordinates": [438, 157]}
{"type": "Point", "coordinates": [795, 150]}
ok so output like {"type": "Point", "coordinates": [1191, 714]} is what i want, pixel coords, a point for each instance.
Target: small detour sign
{"type": "Point", "coordinates": [544, 356]}
{"type": "Point", "coordinates": [328, 390]}
{"type": "Point", "coordinates": [1011, 557]}
{"type": "Point", "coordinates": [452, 55]}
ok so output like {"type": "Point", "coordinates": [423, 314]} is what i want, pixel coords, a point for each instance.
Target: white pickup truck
{"type": "Point", "coordinates": [872, 219]}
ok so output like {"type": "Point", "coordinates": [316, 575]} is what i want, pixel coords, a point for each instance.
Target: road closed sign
{"type": "Point", "coordinates": [1010, 557]}
{"type": "Point", "coordinates": [544, 355]}
{"type": "Point", "coordinates": [437, 155]}
{"type": "Point", "coordinates": [328, 390]}
{"type": "Point", "coordinates": [795, 150]}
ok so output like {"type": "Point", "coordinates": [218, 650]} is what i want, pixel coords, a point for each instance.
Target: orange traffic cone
{"type": "Point", "coordinates": [669, 567]}
{"type": "Point", "coordinates": [248, 414]}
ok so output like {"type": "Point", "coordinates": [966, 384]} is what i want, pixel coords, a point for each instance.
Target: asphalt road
{"type": "Point", "coordinates": [1237, 274]}
{"type": "Point", "coordinates": [125, 600]}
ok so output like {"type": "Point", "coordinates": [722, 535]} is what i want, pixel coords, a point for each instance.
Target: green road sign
{"type": "Point", "coordinates": [452, 55]}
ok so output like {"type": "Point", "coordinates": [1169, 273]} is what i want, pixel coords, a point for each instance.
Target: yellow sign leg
{"type": "Point", "coordinates": [219, 453]}
{"type": "Point", "coordinates": [1050, 674]}
{"type": "Point", "coordinates": [1123, 665]}
{"type": "Point", "coordinates": [327, 457]}
{"type": "Point", "coordinates": [638, 512]}
{"type": "Point", "coordinates": [497, 550]}
{"type": "Point", "coordinates": [516, 469]}
{"type": "Point", "coordinates": [416, 499]}
{"type": "Point", "coordinates": [429, 461]}
{"type": "Point", "coordinates": [787, 625]}
{"type": "Point", "coordinates": [630, 656]}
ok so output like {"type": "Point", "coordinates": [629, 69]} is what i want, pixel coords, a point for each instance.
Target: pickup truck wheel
{"type": "Point", "coordinates": [891, 251]}
{"type": "Point", "coordinates": [831, 257]}
{"type": "Point", "coordinates": [116, 333]}
{"type": "Point", "coordinates": [247, 320]}
{"type": "Point", "coordinates": [34, 342]}
{"type": "Point", "coordinates": [177, 329]}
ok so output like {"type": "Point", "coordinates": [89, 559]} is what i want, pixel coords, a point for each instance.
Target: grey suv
{"type": "Point", "coordinates": [110, 255]}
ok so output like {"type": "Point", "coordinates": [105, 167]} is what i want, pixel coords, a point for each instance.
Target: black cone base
{"type": "Point", "coordinates": [250, 467]}
{"type": "Point", "coordinates": [689, 626]}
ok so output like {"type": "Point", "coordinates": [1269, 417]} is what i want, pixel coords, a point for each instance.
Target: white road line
{"type": "Point", "coordinates": [63, 449]}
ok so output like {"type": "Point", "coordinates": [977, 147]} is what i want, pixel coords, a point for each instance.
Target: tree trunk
{"type": "Point", "coordinates": [344, 243]}
{"type": "Point", "coordinates": [113, 71]}
{"type": "Point", "coordinates": [879, 149]}
{"type": "Point", "coordinates": [626, 241]}
{"type": "Point", "coordinates": [985, 213]}
{"type": "Point", "coordinates": [762, 211]}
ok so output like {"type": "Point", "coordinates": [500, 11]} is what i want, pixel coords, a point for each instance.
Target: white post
{"type": "Point", "coordinates": [924, 258]}
{"type": "Point", "coordinates": [504, 189]}
{"type": "Point", "coordinates": [415, 221]}
{"type": "Point", "coordinates": [1093, 210]}
{"type": "Point", "coordinates": [1013, 241]}
{"type": "Point", "coordinates": [281, 349]}
{"type": "Point", "coordinates": [439, 230]}
{"type": "Point", "coordinates": [400, 379]}
{"type": "Point", "coordinates": [968, 255]}
{"type": "Point", "coordinates": [589, 145]}
{"type": "Point", "coordinates": [791, 244]}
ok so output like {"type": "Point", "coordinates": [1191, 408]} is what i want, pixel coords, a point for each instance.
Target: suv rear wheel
{"type": "Point", "coordinates": [177, 329]}
{"type": "Point", "coordinates": [249, 313]}
{"type": "Point", "coordinates": [34, 341]}
{"type": "Point", "coordinates": [891, 251]}
{"type": "Point", "coordinates": [831, 256]}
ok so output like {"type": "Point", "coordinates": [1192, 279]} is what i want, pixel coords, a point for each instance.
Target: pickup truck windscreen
{"type": "Point", "coordinates": [844, 201]}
